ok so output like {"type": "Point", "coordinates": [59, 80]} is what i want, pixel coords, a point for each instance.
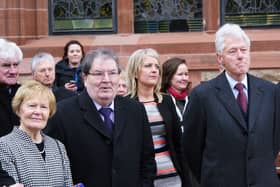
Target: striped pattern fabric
{"type": "Point", "coordinates": [165, 166]}
{"type": "Point", "coordinates": [20, 157]}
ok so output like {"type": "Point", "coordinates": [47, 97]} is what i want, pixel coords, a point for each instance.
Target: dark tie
{"type": "Point", "coordinates": [108, 122]}
{"type": "Point", "coordinates": [241, 97]}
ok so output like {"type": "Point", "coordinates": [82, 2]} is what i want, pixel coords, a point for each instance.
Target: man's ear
{"type": "Point", "coordinates": [219, 58]}
{"type": "Point", "coordinates": [220, 61]}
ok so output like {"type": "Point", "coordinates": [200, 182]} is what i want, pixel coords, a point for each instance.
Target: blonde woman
{"type": "Point", "coordinates": [27, 154]}
{"type": "Point", "coordinates": [144, 71]}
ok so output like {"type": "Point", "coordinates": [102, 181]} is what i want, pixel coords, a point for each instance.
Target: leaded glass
{"type": "Point", "coordinates": [251, 12]}
{"type": "Point", "coordinates": [82, 15]}
{"type": "Point", "coordinates": [167, 15]}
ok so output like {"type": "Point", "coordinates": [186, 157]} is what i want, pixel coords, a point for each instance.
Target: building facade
{"type": "Point", "coordinates": [181, 28]}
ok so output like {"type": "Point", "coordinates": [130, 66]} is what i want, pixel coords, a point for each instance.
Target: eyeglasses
{"type": "Point", "coordinates": [101, 74]}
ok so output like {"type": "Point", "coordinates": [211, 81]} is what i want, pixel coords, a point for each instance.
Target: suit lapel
{"type": "Point", "coordinates": [225, 95]}
{"type": "Point", "coordinates": [255, 94]}
{"type": "Point", "coordinates": [120, 117]}
{"type": "Point", "coordinates": [91, 114]}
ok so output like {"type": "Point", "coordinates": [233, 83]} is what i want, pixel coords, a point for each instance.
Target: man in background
{"type": "Point", "coordinates": [43, 71]}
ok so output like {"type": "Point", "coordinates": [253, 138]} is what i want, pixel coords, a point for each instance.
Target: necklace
{"type": "Point", "coordinates": [41, 152]}
{"type": "Point", "coordinates": [41, 147]}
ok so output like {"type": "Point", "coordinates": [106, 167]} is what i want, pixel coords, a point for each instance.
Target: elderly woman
{"type": "Point", "coordinates": [27, 154]}
{"type": "Point", "coordinates": [144, 71]}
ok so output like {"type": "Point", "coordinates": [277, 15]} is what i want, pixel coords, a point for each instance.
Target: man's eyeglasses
{"type": "Point", "coordinates": [101, 74]}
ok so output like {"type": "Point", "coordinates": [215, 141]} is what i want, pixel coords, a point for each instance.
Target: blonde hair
{"type": "Point", "coordinates": [133, 67]}
{"type": "Point", "coordinates": [29, 90]}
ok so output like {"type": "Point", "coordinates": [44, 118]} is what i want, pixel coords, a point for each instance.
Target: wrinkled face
{"type": "Point", "coordinates": [149, 74]}
{"type": "Point", "coordinates": [102, 81]}
{"type": "Point", "coordinates": [74, 54]}
{"type": "Point", "coordinates": [122, 89]}
{"type": "Point", "coordinates": [45, 73]}
{"type": "Point", "coordinates": [34, 113]}
{"type": "Point", "coordinates": [180, 79]}
{"type": "Point", "coordinates": [9, 71]}
{"type": "Point", "coordinates": [235, 58]}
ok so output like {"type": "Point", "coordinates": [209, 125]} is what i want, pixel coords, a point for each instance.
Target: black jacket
{"type": "Point", "coordinates": [173, 135]}
{"type": "Point", "coordinates": [63, 74]}
{"type": "Point", "coordinates": [97, 159]}
{"type": "Point", "coordinates": [222, 148]}
{"type": "Point", "coordinates": [8, 118]}
{"type": "Point", "coordinates": [5, 179]}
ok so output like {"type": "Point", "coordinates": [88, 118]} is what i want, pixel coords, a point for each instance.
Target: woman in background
{"type": "Point", "coordinates": [27, 154]}
{"type": "Point", "coordinates": [144, 71]}
{"type": "Point", "coordinates": [122, 88]}
{"type": "Point", "coordinates": [175, 82]}
{"type": "Point", "coordinates": [68, 71]}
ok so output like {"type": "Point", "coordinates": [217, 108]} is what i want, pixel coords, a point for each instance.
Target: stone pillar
{"type": "Point", "coordinates": [211, 15]}
{"type": "Point", "coordinates": [23, 20]}
{"type": "Point", "coordinates": [125, 16]}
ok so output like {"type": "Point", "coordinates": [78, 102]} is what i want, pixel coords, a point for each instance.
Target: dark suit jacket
{"type": "Point", "coordinates": [61, 93]}
{"type": "Point", "coordinates": [5, 179]}
{"type": "Point", "coordinates": [8, 119]}
{"type": "Point", "coordinates": [96, 159]}
{"type": "Point", "coordinates": [224, 150]}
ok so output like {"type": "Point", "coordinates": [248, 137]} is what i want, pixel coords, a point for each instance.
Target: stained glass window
{"type": "Point", "coordinates": [167, 15]}
{"type": "Point", "coordinates": [82, 16]}
{"type": "Point", "coordinates": [251, 13]}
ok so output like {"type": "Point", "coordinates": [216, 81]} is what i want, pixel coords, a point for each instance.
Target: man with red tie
{"type": "Point", "coordinates": [230, 129]}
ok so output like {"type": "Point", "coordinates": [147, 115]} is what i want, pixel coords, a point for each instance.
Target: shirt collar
{"type": "Point", "coordinates": [98, 106]}
{"type": "Point", "coordinates": [233, 82]}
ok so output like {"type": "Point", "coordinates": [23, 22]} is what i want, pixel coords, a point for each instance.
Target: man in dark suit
{"type": "Point", "coordinates": [229, 137]}
{"type": "Point", "coordinates": [10, 57]}
{"type": "Point", "coordinates": [43, 71]}
{"type": "Point", "coordinates": [113, 150]}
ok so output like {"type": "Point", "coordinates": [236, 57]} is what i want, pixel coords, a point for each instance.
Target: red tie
{"type": "Point", "coordinates": [241, 97]}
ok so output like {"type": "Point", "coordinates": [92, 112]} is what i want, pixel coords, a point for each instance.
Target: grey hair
{"type": "Point", "coordinates": [10, 50]}
{"type": "Point", "coordinates": [98, 53]}
{"type": "Point", "coordinates": [39, 57]}
{"type": "Point", "coordinates": [229, 29]}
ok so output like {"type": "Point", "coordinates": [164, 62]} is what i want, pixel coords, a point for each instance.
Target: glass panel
{"type": "Point", "coordinates": [82, 16]}
{"type": "Point", "coordinates": [251, 12]}
{"type": "Point", "coordinates": [167, 16]}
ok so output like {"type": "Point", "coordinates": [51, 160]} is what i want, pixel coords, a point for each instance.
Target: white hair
{"type": "Point", "coordinates": [39, 58]}
{"type": "Point", "coordinates": [232, 30]}
{"type": "Point", "coordinates": [10, 50]}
